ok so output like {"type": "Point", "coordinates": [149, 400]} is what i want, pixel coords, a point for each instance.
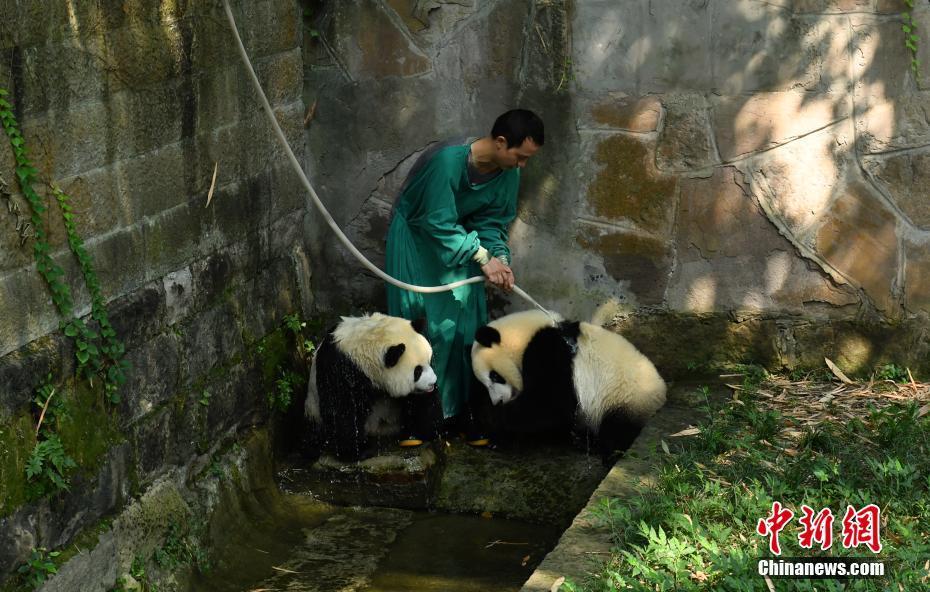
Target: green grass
{"type": "Point", "coordinates": [695, 527]}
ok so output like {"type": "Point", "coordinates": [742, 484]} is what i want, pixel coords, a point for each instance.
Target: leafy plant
{"type": "Point", "coordinates": [216, 469]}
{"type": "Point", "coordinates": [140, 577]}
{"type": "Point", "coordinates": [909, 27]}
{"type": "Point", "coordinates": [49, 406]}
{"type": "Point", "coordinates": [308, 20]}
{"type": "Point", "coordinates": [48, 465]}
{"type": "Point", "coordinates": [293, 323]}
{"type": "Point", "coordinates": [205, 398]}
{"type": "Point", "coordinates": [137, 569]}
{"type": "Point", "coordinates": [39, 567]}
{"type": "Point", "coordinates": [753, 376]}
{"type": "Point", "coordinates": [280, 398]}
{"type": "Point", "coordinates": [179, 549]}
{"type": "Point", "coordinates": [296, 326]}
{"type": "Point", "coordinates": [892, 372]}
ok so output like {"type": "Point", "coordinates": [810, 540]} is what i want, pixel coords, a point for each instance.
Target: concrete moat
{"type": "Point", "coordinates": [444, 518]}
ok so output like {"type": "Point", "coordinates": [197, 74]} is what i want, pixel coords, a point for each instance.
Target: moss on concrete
{"type": "Point", "coordinates": [17, 439]}
{"type": "Point", "coordinates": [90, 427]}
{"type": "Point", "coordinates": [85, 424]}
{"type": "Point", "coordinates": [629, 186]}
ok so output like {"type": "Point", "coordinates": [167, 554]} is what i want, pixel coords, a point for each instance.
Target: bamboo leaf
{"type": "Point", "coordinates": [216, 167]}
{"type": "Point", "coordinates": [837, 372]}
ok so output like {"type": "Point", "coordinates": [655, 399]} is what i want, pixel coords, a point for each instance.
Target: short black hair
{"type": "Point", "coordinates": [517, 125]}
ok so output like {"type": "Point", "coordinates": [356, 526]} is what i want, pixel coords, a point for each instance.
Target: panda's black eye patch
{"type": "Point", "coordinates": [417, 372]}
{"type": "Point", "coordinates": [393, 354]}
{"type": "Point", "coordinates": [497, 378]}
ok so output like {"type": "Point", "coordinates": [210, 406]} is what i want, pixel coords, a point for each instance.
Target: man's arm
{"type": "Point", "coordinates": [436, 213]}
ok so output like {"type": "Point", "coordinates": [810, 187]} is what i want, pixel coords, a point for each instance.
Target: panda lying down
{"type": "Point", "coordinates": [575, 376]}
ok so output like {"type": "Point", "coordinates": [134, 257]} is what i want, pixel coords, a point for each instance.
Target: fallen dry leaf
{"type": "Point", "coordinates": [311, 112]}
{"type": "Point", "coordinates": [699, 576]}
{"type": "Point", "coordinates": [692, 431]}
{"type": "Point", "coordinates": [837, 372]}
{"type": "Point", "coordinates": [216, 167]}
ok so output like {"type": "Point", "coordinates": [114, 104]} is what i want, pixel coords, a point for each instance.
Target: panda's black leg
{"type": "Point", "coordinates": [422, 416]}
{"type": "Point", "coordinates": [618, 431]}
{"type": "Point", "coordinates": [349, 439]}
{"type": "Point", "coordinates": [478, 425]}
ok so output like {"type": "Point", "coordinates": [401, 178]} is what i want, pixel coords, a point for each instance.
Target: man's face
{"type": "Point", "coordinates": [516, 156]}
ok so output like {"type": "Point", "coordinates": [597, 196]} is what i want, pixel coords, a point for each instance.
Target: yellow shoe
{"type": "Point", "coordinates": [479, 442]}
{"type": "Point", "coordinates": [410, 442]}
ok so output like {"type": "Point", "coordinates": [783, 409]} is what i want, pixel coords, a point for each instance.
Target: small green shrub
{"type": "Point", "coordinates": [280, 398]}
{"type": "Point", "coordinates": [892, 372]}
{"type": "Point", "coordinates": [180, 549]}
{"type": "Point", "coordinates": [48, 466]}
{"type": "Point", "coordinates": [39, 567]}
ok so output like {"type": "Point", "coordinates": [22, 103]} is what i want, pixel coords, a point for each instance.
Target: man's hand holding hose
{"type": "Point", "coordinates": [498, 274]}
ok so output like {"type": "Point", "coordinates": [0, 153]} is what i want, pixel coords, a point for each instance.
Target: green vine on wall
{"type": "Point", "coordinates": [911, 38]}
{"type": "Point", "coordinates": [109, 356]}
{"type": "Point", "coordinates": [98, 354]}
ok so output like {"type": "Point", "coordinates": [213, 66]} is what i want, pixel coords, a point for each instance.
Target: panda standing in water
{"type": "Point", "coordinates": [359, 375]}
{"type": "Point", "coordinates": [567, 376]}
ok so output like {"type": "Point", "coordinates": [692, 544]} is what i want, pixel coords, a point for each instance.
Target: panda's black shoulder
{"type": "Point", "coordinates": [551, 342]}
{"type": "Point", "coordinates": [336, 370]}
{"type": "Point", "coordinates": [328, 351]}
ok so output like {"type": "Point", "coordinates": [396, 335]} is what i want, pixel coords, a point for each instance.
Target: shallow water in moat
{"type": "Point", "coordinates": [314, 547]}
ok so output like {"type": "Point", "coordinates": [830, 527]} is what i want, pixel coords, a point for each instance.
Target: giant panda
{"type": "Point", "coordinates": [358, 375]}
{"type": "Point", "coordinates": [574, 375]}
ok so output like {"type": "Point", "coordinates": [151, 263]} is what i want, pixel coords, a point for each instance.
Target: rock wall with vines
{"type": "Point", "coordinates": [137, 295]}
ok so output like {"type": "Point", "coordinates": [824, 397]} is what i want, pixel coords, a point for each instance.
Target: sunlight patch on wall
{"type": "Point", "coordinates": [702, 295]}
{"type": "Point", "coordinates": [606, 31]}
{"type": "Point", "coordinates": [777, 270]}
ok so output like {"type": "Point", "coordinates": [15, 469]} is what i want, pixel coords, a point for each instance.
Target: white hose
{"type": "Point", "coordinates": [319, 205]}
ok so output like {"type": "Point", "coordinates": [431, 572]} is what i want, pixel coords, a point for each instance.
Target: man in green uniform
{"type": "Point", "coordinates": [451, 222]}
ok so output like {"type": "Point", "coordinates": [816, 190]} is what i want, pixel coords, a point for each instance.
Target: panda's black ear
{"type": "Point", "coordinates": [419, 326]}
{"type": "Point", "coordinates": [487, 336]}
{"type": "Point", "coordinates": [393, 354]}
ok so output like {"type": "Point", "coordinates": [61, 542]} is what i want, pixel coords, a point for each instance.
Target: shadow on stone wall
{"type": "Point", "coordinates": [742, 161]}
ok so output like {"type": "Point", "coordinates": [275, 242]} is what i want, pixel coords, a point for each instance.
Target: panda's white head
{"type": "Point", "coordinates": [391, 351]}
{"type": "Point", "coordinates": [497, 353]}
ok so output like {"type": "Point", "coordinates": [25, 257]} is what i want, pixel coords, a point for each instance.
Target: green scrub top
{"type": "Point", "coordinates": [440, 219]}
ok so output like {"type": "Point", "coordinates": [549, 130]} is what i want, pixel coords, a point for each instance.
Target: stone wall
{"type": "Point", "coordinates": [749, 174]}
{"type": "Point", "coordinates": [129, 107]}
